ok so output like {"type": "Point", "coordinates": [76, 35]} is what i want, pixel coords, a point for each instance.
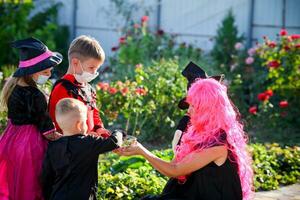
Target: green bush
{"type": "Point", "coordinates": [149, 107]}
{"type": "Point", "coordinates": [16, 23]}
{"type": "Point", "coordinates": [224, 51]}
{"type": "Point", "coordinates": [266, 88]}
{"type": "Point", "coordinates": [140, 45]}
{"type": "Point", "coordinates": [133, 177]}
{"type": "Point", "coordinates": [275, 166]}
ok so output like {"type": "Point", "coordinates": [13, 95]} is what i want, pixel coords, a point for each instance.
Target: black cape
{"type": "Point", "coordinates": [70, 167]}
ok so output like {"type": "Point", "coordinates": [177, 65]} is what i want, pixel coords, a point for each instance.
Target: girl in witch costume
{"type": "Point", "coordinates": [24, 141]}
{"type": "Point", "coordinates": [211, 162]}
{"type": "Point", "coordinates": [85, 58]}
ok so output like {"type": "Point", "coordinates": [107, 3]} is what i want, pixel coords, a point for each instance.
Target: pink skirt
{"type": "Point", "coordinates": [22, 150]}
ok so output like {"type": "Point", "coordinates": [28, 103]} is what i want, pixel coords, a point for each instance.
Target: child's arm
{"type": "Point", "coordinates": [47, 177]}
{"type": "Point", "coordinates": [103, 145]}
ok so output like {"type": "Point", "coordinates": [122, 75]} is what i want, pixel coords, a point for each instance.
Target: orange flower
{"type": "Point", "coordinates": [124, 91]}
{"type": "Point", "coordinates": [103, 86]}
{"type": "Point", "coordinates": [112, 90]}
{"type": "Point", "coordinates": [269, 92]}
{"type": "Point", "coordinates": [140, 91]}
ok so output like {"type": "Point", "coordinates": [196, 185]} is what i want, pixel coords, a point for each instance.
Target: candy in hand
{"type": "Point", "coordinates": [129, 140]}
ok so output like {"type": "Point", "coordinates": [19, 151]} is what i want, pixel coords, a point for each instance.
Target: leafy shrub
{"type": "Point", "coordinates": [147, 104]}
{"type": "Point", "coordinates": [129, 177]}
{"type": "Point", "coordinates": [226, 45]}
{"type": "Point", "coordinates": [140, 45]}
{"type": "Point", "coordinates": [16, 23]}
{"type": "Point", "coordinates": [274, 166]}
{"type": "Point", "coordinates": [266, 87]}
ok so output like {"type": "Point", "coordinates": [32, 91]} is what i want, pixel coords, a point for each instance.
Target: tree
{"type": "Point", "coordinates": [224, 50]}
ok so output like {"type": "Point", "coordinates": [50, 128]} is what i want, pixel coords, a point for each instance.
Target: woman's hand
{"type": "Point", "coordinates": [135, 149]}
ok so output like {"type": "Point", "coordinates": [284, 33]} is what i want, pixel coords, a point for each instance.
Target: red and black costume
{"type": "Point", "coordinates": [68, 87]}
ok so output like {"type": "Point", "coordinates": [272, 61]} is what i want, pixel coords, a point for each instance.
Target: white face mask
{"type": "Point", "coordinates": [42, 79]}
{"type": "Point", "coordinates": [85, 77]}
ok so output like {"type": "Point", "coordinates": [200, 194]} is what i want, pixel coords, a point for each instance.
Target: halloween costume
{"type": "Point", "coordinates": [68, 87]}
{"type": "Point", "coordinates": [211, 182]}
{"type": "Point", "coordinates": [70, 167]}
{"type": "Point", "coordinates": [22, 144]}
{"type": "Point", "coordinates": [191, 72]}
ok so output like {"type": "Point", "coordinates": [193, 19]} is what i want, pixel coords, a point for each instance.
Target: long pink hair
{"type": "Point", "coordinates": [214, 114]}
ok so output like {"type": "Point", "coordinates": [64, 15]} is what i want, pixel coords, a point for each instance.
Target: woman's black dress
{"type": "Point", "coordinates": [211, 182]}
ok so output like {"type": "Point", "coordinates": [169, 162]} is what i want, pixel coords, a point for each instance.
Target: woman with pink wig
{"type": "Point", "coordinates": [211, 162]}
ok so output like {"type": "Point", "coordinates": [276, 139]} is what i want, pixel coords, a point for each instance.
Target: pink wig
{"type": "Point", "coordinates": [213, 114]}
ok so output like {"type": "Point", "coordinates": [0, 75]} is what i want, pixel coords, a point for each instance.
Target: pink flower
{"type": "Point", "coordinates": [253, 110]}
{"type": "Point", "coordinates": [238, 45]}
{"type": "Point", "coordinates": [119, 83]}
{"type": "Point", "coordinates": [252, 51]}
{"type": "Point", "coordinates": [136, 26]}
{"type": "Point", "coordinates": [122, 40]}
{"type": "Point", "coordinates": [145, 18]}
{"type": "Point", "coordinates": [272, 44]}
{"type": "Point", "coordinates": [295, 36]}
{"type": "Point", "coordinates": [283, 32]}
{"type": "Point", "coordinates": [103, 86]}
{"type": "Point", "coordinates": [249, 60]}
{"type": "Point", "coordinates": [283, 104]}
{"type": "Point", "coordinates": [274, 64]}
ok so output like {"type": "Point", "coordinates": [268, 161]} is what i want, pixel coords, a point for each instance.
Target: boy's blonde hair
{"type": "Point", "coordinates": [84, 47]}
{"type": "Point", "coordinates": [68, 111]}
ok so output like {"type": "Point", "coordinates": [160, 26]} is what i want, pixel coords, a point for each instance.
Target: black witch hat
{"type": "Point", "coordinates": [191, 73]}
{"type": "Point", "coordinates": [34, 57]}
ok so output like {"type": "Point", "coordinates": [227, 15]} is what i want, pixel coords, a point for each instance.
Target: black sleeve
{"type": "Point", "coordinates": [47, 177]}
{"type": "Point", "coordinates": [40, 113]}
{"type": "Point", "coordinates": [103, 145]}
{"type": "Point", "coordinates": [183, 123]}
